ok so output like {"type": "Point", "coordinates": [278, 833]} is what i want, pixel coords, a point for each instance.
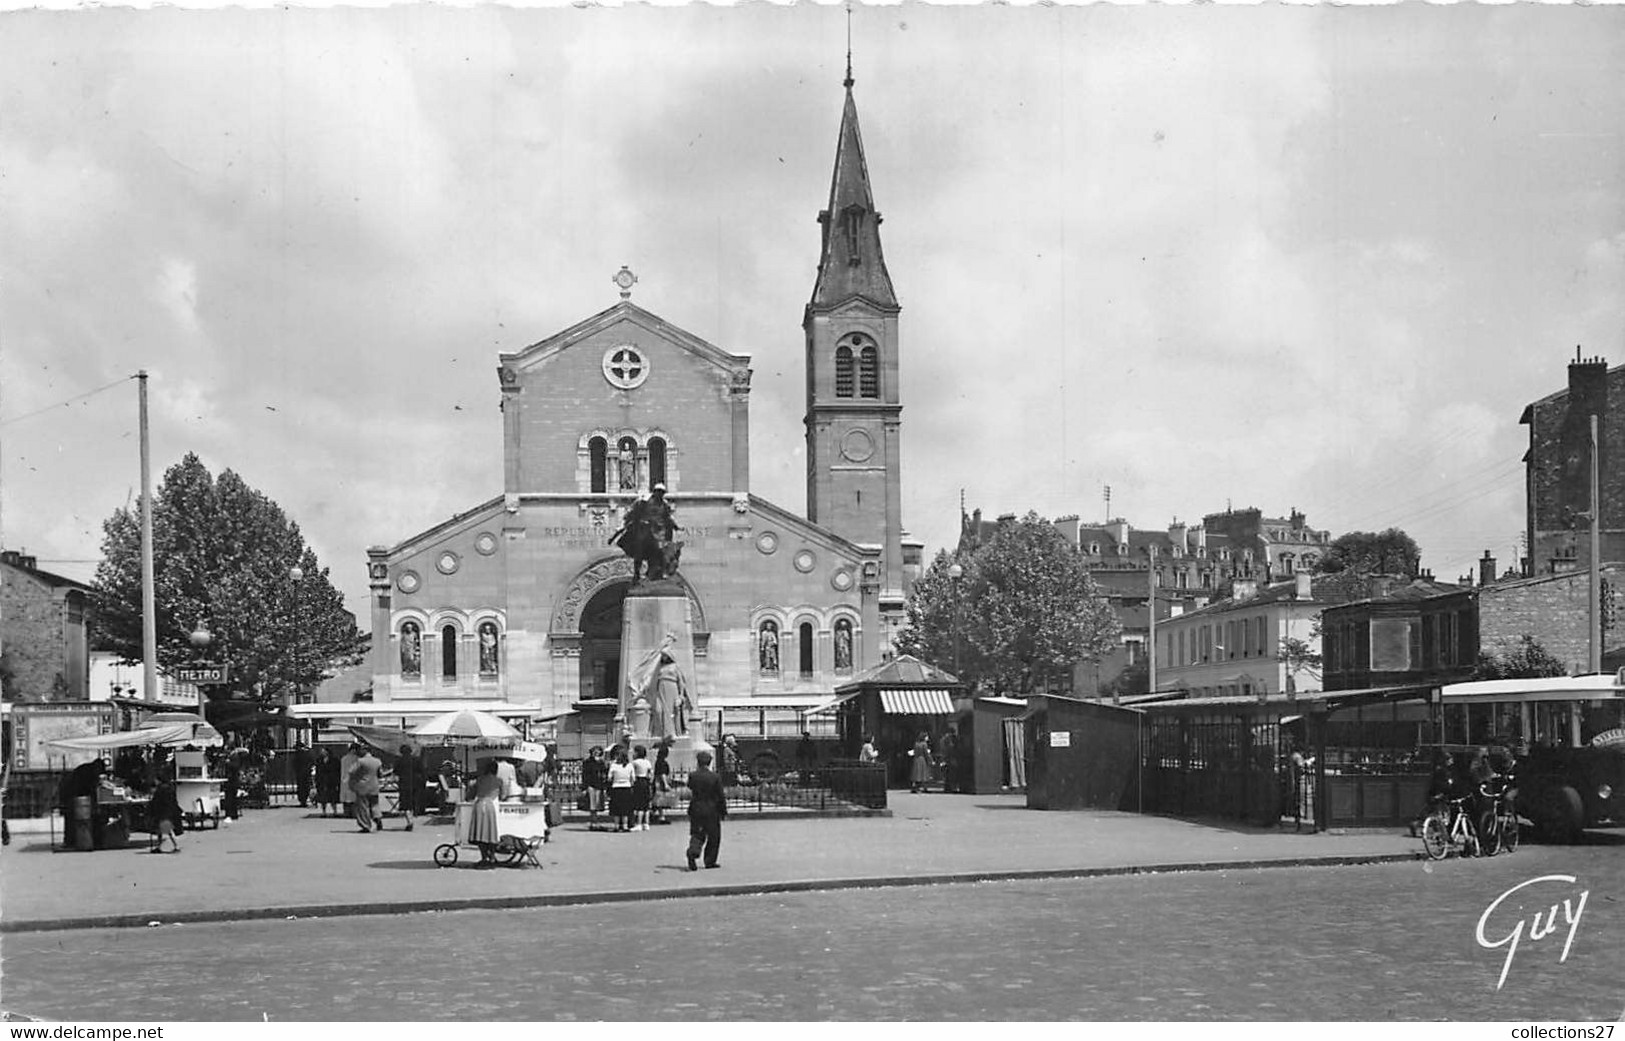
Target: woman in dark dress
{"type": "Point", "coordinates": [662, 785]}
{"type": "Point", "coordinates": [327, 781]}
{"type": "Point", "coordinates": [595, 785]}
{"type": "Point", "coordinates": [165, 809]}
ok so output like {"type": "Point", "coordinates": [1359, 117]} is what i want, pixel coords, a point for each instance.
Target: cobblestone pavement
{"type": "Point", "coordinates": [1376, 942]}
{"type": "Point", "coordinates": [286, 858]}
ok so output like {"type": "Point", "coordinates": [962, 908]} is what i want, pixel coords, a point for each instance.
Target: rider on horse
{"type": "Point", "coordinates": [646, 535]}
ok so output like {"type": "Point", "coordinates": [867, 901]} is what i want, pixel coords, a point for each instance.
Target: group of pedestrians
{"type": "Point", "coordinates": [636, 792]}
{"type": "Point", "coordinates": [633, 789]}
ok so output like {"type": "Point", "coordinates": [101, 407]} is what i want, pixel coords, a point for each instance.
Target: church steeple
{"type": "Point", "coordinates": [851, 263]}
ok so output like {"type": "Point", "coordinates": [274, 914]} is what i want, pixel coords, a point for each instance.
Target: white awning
{"type": "Point", "coordinates": [421, 709]}
{"type": "Point", "coordinates": [173, 734]}
{"type": "Point", "coordinates": [916, 702]}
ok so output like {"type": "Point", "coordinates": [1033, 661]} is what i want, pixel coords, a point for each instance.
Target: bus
{"type": "Point", "coordinates": [1567, 734]}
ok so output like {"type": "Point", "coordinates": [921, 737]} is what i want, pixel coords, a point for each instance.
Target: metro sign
{"type": "Point", "coordinates": [204, 674]}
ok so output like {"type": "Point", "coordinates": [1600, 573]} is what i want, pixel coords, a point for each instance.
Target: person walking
{"type": "Point", "coordinates": [730, 761]}
{"type": "Point", "coordinates": [346, 768]}
{"type": "Point", "coordinates": [662, 785]}
{"type": "Point", "coordinates": [806, 758]}
{"type": "Point", "coordinates": [365, 784]}
{"type": "Point", "coordinates": [327, 782]}
{"type": "Point", "coordinates": [707, 809]}
{"type": "Point", "coordinates": [948, 749]}
{"type": "Point", "coordinates": [301, 775]}
{"type": "Point", "coordinates": [408, 784]}
{"type": "Point", "coordinates": [642, 788]}
{"type": "Point", "coordinates": [165, 809]}
{"type": "Point", "coordinates": [620, 791]}
{"type": "Point", "coordinates": [594, 785]}
{"type": "Point", "coordinates": [482, 819]}
{"type": "Point", "coordinates": [919, 773]}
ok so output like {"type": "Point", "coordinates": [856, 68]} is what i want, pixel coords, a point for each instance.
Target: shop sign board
{"type": "Point", "coordinates": [34, 727]}
{"type": "Point", "coordinates": [1060, 739]}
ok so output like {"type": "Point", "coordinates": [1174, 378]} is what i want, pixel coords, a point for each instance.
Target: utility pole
{"type": "Point", "coordinates": [1595, 631]}
{"type": "Point", "coordinates": [1151, 614]}
{"type": "Point", "coordinates": [149, 598]}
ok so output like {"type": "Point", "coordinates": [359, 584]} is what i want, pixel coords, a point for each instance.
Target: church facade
{"type": "Point", "coordinates": [519, 599]}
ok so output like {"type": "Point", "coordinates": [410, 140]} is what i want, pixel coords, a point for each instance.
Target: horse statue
{"type": "Point", "coordinates": [645, 535]}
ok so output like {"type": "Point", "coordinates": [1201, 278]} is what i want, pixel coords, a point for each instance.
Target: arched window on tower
{"type": "Point", "coordinates": [598, 453]}
{"type": "Point", "coordinates": [448, 652]}
{"type": "Point", "coordinates": [805, 650]}
{"type": "Point", "coordinates": [657, 461]}
{"type": "Point", "coordinates": [843, 371]}
{"type": "Point", "coordinates": [869, 372]}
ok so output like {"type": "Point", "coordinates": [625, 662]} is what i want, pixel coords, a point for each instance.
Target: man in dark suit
{"type": "Point", "coordinates": [707, 807]}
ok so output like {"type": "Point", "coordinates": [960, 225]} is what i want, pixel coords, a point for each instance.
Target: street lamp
{"type": "Point", "coordinates": [297, 574]}
{"type": "Point", "coordinates": [955, 573]}
{"type": "Point", "coordinates": [201, 638]}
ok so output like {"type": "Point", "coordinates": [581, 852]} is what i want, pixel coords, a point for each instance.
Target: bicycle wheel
{"type": "Point", "coordinates": [1509, 831]}
{"type": "Point", "coordinates": [445, 855]}
{"type": "Point", "coordinates": [1435, 837]}
{"type": "Point", "coordinates": [1489, 833]}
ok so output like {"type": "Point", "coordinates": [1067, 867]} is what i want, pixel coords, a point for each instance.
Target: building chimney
{"type": "Point", "coordinates": [1119, 530]}
{"type": "Point", "coordinates": [1588, 385]}
{"type": "Point", "coordinates": [1303, 591]}
{"type": "Point", "coordinates": [1179, 535]}
{"type": "Point", "coordinates": [1486, 569]}
{"type": "Point", "coordinates": [1068, 527]}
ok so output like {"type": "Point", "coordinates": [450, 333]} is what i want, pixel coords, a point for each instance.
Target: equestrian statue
{"type": "Point", "coordinates": [646, 534]}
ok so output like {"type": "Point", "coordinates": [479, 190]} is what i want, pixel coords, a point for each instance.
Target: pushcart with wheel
{"type": "Point", "coordinates": [521, 823]}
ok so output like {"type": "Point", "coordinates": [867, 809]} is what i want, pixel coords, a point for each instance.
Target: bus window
{"type": "Point", "coordinates": [1598, 717]}
{"type": "Point", "coordinates": [1552, 723]}
{"type": "Point", "coordinates": [1455, 725]}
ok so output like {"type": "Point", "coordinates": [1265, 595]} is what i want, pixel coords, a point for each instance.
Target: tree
{"type": "Point", "coordinates": [1525, 659]}
{"type": "Point", "coordinates": [224, 555]}
{"type": "Point", "coordinates": [1025, 610]}
{"type": "Point", "coordinates": [1301, 656]}
{"type": "Point", "coordinates": [1364, 553]}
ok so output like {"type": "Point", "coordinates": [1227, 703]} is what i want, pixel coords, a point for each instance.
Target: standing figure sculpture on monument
{"type": "Point", "coordinates": [646, 535]}
{"type": "Point", "coordinates": [658, 680]}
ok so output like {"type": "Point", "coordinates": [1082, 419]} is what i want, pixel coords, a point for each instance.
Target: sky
{"type": "Point", "coordinates": [1287, 257]}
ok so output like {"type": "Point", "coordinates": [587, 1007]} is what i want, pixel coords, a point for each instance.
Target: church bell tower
{"type": "Point", "coordinates": [854, 410]}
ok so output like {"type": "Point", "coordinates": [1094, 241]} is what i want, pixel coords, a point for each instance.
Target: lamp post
{"type": "Point", "coordinates": [955, 573]}
{"type": "Point", "coordinates": [296, 574]}
{"type": "Point", "coordinates": [201, 638]}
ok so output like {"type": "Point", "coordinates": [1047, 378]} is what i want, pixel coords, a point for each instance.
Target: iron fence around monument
{"type": "Point", "coordinates": [833, 788]}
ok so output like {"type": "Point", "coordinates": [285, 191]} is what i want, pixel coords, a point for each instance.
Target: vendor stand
{"type": "Point", "coordinates": [102, 816]}
{"type": "Point", "coordinates": [522, 817]}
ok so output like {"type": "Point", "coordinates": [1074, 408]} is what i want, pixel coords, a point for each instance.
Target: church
{"type": "Point", "coordinates": [519, 600]}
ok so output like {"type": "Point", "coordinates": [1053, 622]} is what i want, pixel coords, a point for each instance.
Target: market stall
{"type": "Point", "coordinates": [522, 817]}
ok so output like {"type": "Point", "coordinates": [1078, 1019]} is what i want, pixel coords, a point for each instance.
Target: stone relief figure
{"type": "Point", "coordinates": [843, 645]}
{"type": "Point", "coordinates": [769, 654]}
{"type": "Point", "coordinates": [488, 648]}
{"type": "Point", "coordinates": [411, 649]}
{"type": "Point", "coordinates": [627, 465]}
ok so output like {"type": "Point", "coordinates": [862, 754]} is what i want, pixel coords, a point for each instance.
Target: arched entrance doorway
{"type": "Point", "coordinates": [601, 641]}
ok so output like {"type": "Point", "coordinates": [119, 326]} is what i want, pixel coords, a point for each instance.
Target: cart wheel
{"type": "Point", "coordinates": [445, 855]}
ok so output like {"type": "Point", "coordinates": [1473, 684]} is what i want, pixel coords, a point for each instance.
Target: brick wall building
{"type": "Point", "coordinates": [1557, 468]}
{"type": "Point", "coordinates": [44, 631]}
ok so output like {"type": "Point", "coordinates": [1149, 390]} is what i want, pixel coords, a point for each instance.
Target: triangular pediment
{"type": "Point", "coordinates": [805, 529]}
{"type": "Point", "coordinates": [623, 313]}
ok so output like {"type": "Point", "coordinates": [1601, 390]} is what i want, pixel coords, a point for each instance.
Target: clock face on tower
{"type": "Point", "coordinates": [857, 446]}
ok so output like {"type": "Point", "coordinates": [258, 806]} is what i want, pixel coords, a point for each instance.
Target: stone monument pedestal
{"type": "Point", "coordinates": [656, 614]}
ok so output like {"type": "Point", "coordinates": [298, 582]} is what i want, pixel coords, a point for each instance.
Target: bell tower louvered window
{"type": "Point", "coordinates": [843, 371]}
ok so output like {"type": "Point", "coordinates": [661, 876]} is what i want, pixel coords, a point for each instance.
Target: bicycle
{"type": "Point", "coordinates": [1499, 823]}
{"type": "Point", "coordinates": [1449, 826]}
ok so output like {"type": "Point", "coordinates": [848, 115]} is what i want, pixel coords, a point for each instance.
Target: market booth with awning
{"type": "Point", "coordinates": [1369, 755]}
{"type": "Point", "coordinates": [894, 702]}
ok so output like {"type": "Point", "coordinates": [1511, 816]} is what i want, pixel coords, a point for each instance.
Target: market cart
{"type": "Point", "coordinates": [521, 823]}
